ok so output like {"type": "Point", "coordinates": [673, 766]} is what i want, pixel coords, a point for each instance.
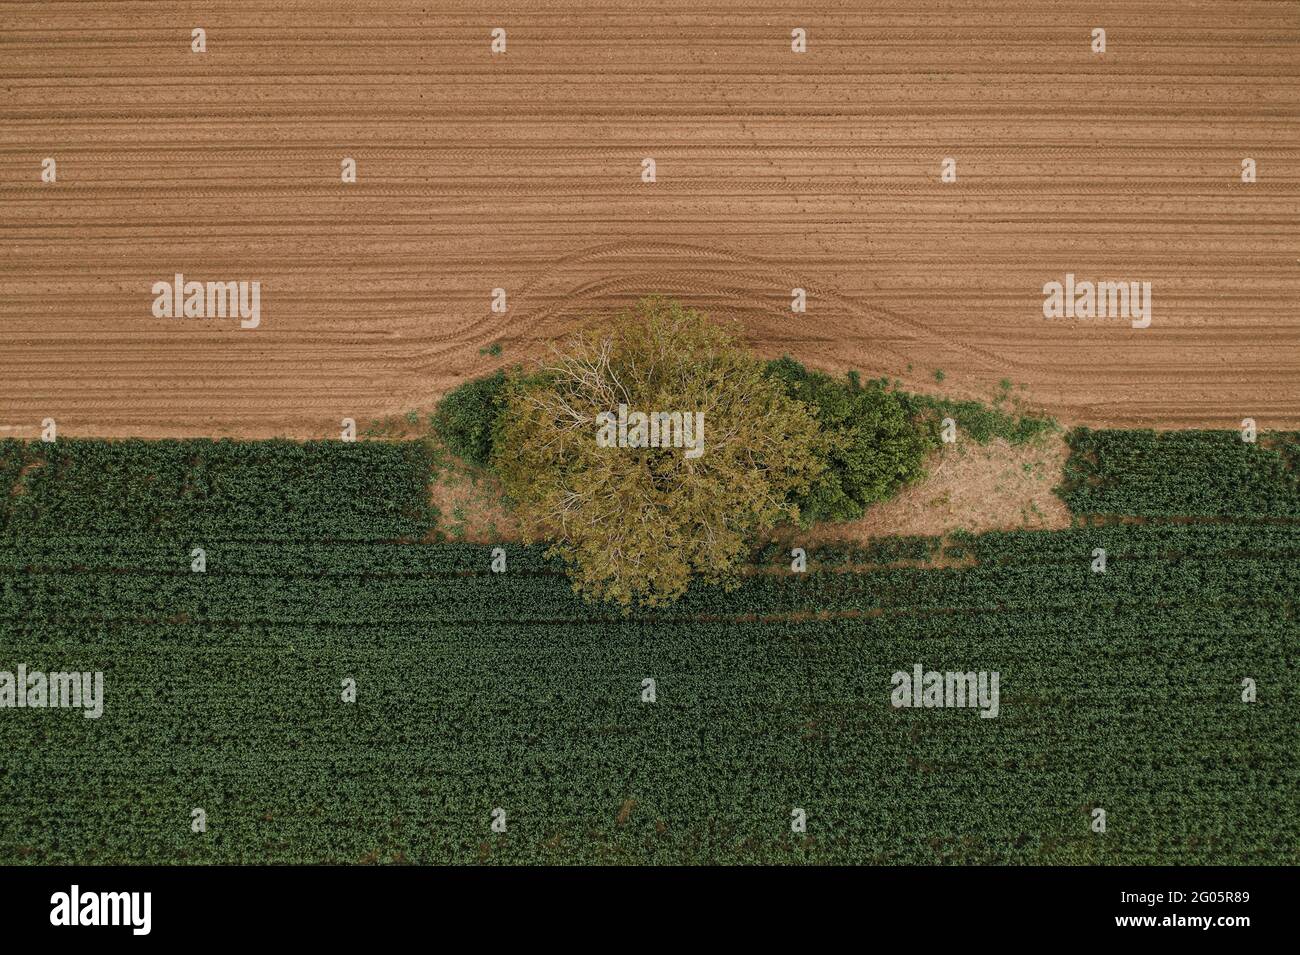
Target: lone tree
{"type": "Point", "coordinates": [573, 450]}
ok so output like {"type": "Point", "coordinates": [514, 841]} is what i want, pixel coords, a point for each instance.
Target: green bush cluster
{"type": "Point", "coordinates": [871, 448]}
{"type": "Point", "coordinates": [466, 417]}
{"type": "Point", "coordinates": [977, 420]}
{"type": "Point", "coordinates": [875, 437]}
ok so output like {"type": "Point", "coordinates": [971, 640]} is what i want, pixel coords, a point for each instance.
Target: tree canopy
{"type": "Point", "coordinates": [636, 522]}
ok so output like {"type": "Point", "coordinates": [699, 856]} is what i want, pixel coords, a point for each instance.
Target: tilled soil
{"type": "Point", "coordinates": [523, 171]}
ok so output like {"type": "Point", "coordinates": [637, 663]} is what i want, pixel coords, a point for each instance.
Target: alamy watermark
{"type": "Point", "coordinates": [181, 299]}
{"type": "Point", "coordinates": [1071, 299]}
{"type": "Point", "coordinates": [34, 689]}
{"type": "Point", "coordinates": [76, 907]}
{"type": "Point", "coordinates": [657, 429]}
{"type": "Point", "coordinates": [931, 688]}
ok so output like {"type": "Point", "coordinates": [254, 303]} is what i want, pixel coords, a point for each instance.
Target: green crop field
{"type": "Point", "coordinates": [478, 691]}
{"type": "Point", "coordinates": [1176, 474]}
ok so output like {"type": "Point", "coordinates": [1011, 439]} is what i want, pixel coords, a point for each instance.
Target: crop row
{"type": "Point", "coordinates": [301, 594]}
{"type": "Point", "coordinates": [1124, 546]}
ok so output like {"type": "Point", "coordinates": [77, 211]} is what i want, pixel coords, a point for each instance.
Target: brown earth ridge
{"type": "Point", "coordinates": [522, 171]}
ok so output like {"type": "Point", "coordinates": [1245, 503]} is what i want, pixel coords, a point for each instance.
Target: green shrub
{"type": "Point", "coordinates": [873, 446]}
{"type": "Point", "coordinates": [466, 417]}
{"type": "Point", "coordinates": [978, 421]}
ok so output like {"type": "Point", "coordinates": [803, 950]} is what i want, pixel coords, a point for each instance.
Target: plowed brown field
{"type": "Point", "coordinates": [523, 171]}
